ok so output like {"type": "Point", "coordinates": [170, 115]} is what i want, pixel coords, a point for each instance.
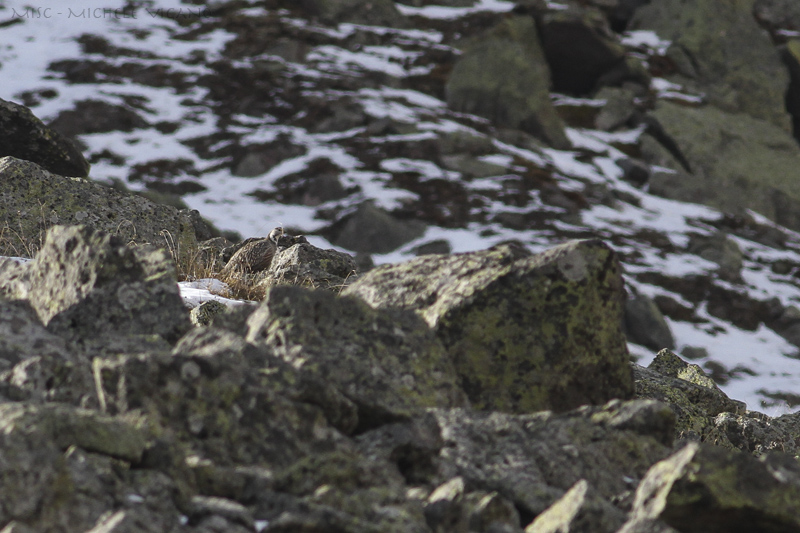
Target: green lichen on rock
{"type": "Point", "coordinates": [525, 333]}
{"type": "Point", "coordinates": [694, 397]}
{"type": "Point", "coordinates": [68, 426]}
{"type": "Point", "coordinates": [35, 199]}
{"type": "Point", "coordinates": [86, 283]}
{"type": "Point", "coordinates": [707, 488]}
{"type": "Point", "coordinates": [386, 361]}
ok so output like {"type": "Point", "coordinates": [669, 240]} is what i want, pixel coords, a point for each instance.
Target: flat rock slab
{"type": "Point", "coordinates": [526, 333]}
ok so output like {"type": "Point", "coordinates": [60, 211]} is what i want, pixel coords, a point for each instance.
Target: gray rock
{"type": "Point", "coordinates": [532, 460]}
{"type": "Point", "coordinates": [503, 76]}
{"type": "Point", "coordinates": [644, 323]}
{"type": "Point", "coordinates": [86, 284]}
{"type": "Point", "coordinates": [525, 332]}
{"type": "Point", "coordinates": [35, 199]}
{"type": "Point", "coordinates": [24, 136]}
{"type": "Point", "coordinates": [579, 510]}
{"type": "Point", "coordinates": [67, 426]}
{"type": "Point", "coordinates": [694, 397]}
{"type": "Point", "coordinates": [232, 403]}
{"type": "Point", "coordinates": [95, 116]}
{"type": "Point", "coordinates": [444, 509]}
{"type": "Point", "coordinates": [386, 361]}
{"type": "Point", "coordinates": [471, 167]}
{"type": "Point", "coordinates": [360, 495]}
{"type": "Point", "coordinates": [22, 335]}
{"type": "Point", "coordinates": [373, 230]}
{"type": "Point", "coordinates": [720, 249]}
{"type": "Point", "coordinates": [720, 51]}
{"type": "Point", "coordinates": [51, 378]}
{"type": "Point", "coordinates": [617, 111]}
{"type": "Point", "coordinates": [736, 162]}
{"type": "Point", "coordinates": [707, 487]}
{"type": "Point", "coordinates": [305, 264]}
{"type": "Point", "coordinates": [489, 512]}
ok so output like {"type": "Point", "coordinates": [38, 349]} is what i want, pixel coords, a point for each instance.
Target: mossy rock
{"type": "Point", "coordinates": [526, 333]}
{"type": "Point", "coordinates": [35, 199]}
{"type": "Point", "coordinates": [503, 76]}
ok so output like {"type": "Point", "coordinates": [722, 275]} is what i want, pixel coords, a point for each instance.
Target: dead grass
{"type": "Point", "coordinates": [189, 265]}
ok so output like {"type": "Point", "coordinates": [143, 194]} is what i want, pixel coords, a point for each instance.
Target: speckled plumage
{"type": "Point", "coordinates": [254, 256]}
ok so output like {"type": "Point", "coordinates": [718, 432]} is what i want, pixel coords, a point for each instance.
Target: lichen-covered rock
{"type": "Point", "coordinates": [361, 491]}
{"type": "Point", "coordinates": [386, 361]}
{"type": "Point", "coordinates": [228, 401]}
{"type": "Point", "coordinates": [63, 469]}
{"type": "Point", "coordinates": [503, 76]}
{"type": "Point", "coordinates": [579, 510]}
{"type": "Point", "coordinates": [694, 397]}
{"type": "Point", "coordinates": [735, 161]}
{"type": "Point", "coordinates": [526, 333]}
{"type": "Point", "coordinates": [534, 459]}
{"type": "Point", "coordinates": [66, 426]}
{"type": "Point", "coordinates": [85, 284]}
{"type": "Point", "coordinates": [720, 51]}
{"type": "Point", "coordinates": [706, 488]}
{"type": "Point", "coordinates": [35, 199]}
{"type": "Point", "coordinates": [50, 378]}
{"type": "Point", "coordinates": [22, 335]}
{"type": "Point", "coordinates": [24, 136]}
{"type": "Point", "coordinates": [306, 265]}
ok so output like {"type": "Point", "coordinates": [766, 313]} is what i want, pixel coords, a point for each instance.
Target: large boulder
{"type": "Point", "coordinates": [709, 489]}
{"type": "Point", "coordinates": [370, 229]}
{"type": "Point", "coordinates": [735, 162]}
{"type": "Point", "coordinates": [525, 332]}
{"type": "Point", "coordinates": [581, 49]}
{"type": "Point", "coordinates": [35, 199]}
{"type": "Point", "coordinates": [503, 76]}
{"type": "Point", "coordinates": [386, 361]}
{"type": "Point", "coordinates": [24, 136]}
{"type": "Point", "coordinates": [719, 50]}
{"type": "Point", "coordinates": [227, 400]}
{"type": "Point", "coordinates": [694, 398]}
{"type": "Point", "coordinates": [88, 285]}
{"type": "Point", "coordinates": [533, 460]}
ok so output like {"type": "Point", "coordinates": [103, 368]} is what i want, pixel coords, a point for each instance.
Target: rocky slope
{"type": "Point", "coordinates": [395, 129]}
{"type": "Point", "coordinates": [653, 143]}
{"type": "Point", "coordinates": [413, 402]}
